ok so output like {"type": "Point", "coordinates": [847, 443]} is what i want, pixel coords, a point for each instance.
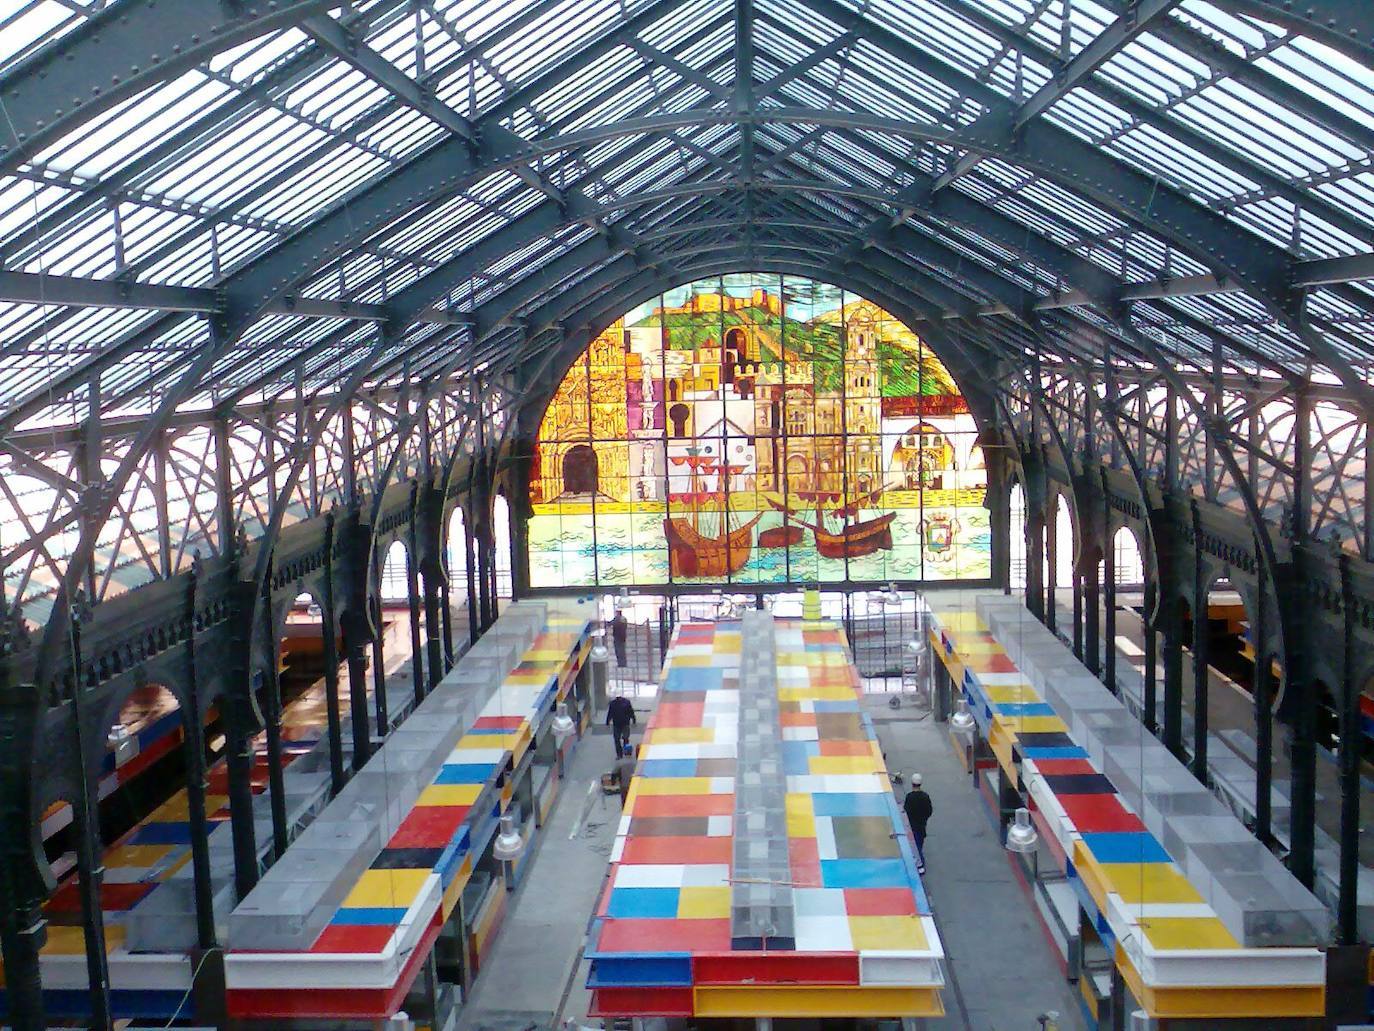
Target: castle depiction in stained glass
{"type": "Point", "coordinates": [757, 429]}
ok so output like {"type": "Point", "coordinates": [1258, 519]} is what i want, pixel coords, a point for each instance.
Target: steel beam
{"type": "Point", "coordinates": [118, 53]}
{"type": "Point", "coordinates": [44, 289]}
{"type": "Point", "coordinates": [353, 51]}
{"type": "Point", "coordinates": [78, 292]}
{"type": "Point", "coordinates": [1241, 68]}
{"type": "Point", "coordinates": [1344, 25]}
{"type": "Point", "coordinates": [744, 86]}
{"type": "Point", "coordinates": [1328, 271]}
{"type": "Point", "coordinates": [1008, 117]}
{"type": "Point", "coordinates": [1159, 119]}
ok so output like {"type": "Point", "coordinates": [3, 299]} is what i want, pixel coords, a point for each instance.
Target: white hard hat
{"type": "Point", "coordinates": [915, 780]}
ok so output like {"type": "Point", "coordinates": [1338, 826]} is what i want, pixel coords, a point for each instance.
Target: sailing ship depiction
{"type": "Point", "coordinates": [855, 539]}
{"type": "Point", "coordinates": [693, 550]}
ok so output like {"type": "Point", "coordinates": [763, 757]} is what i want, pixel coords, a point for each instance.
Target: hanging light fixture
{"type": "Point", "coordinates": [622, 600]}
{"type": "Point", "coordinates": [1021, 836]}
{"type": "Point", "coordinates": [509, 844]}
{"type": "Point", "coordinates": [962, 722]}
{"type": "Point", "coordinates": [563, 726]}
{"type": "Point", "coordinates": [599, 652]}
{"type": "Point", "coordinates": [916, 646]}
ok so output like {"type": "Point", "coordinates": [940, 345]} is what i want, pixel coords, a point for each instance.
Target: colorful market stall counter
{"type": "Point", "coordinates": [802, 900]}
{"type": "Point", "coordinates": [341, 926]}
{"type": "Point", "coordinates": [1173, 886]}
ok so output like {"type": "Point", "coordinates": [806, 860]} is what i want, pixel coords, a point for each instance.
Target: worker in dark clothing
{"type": "Point", "coordinates": [624, 772]}
{"type": "Point", "coordinates": [918, 808]}
{"type": "Point", "coordinates": [620, 630]}
{"type": "Point", "coordinates": [620, 714]}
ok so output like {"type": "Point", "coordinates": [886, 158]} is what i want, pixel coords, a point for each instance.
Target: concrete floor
{"type": "Point", "coordinates": [535, 974]}
{"type": "Point", "coordinates": [1001, 971]}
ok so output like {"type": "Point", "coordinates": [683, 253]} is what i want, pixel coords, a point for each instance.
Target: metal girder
{"type": "Point", "coordinates": [72, 291]}
{"type": "Point", "coordinates": [280, 77]}
{"type": "Point", "coordinates": [605, 132]}
{"type": "Point", "coordinates": [1353, 268]}
{"type": "Point", "coordinates": [1008, 116]}
{"type": "Point", "coordinates": [377, 205]}
{"type": "Point", "coordinates": [1344, 25]}
{"type": "Point", "coordinates": [1237, 67]}
{"type": "Point", "coordinates": [680, 68]}
{"type": "Point", "coordinates": [547, 278]}
{"type": "Point", "coordinates": [429, 176]}
{"type": "Point", "coordinates": [40, 288]}
{"type": "Point", "coordinates": [1094, 284]}
{"type": "Point", "coordinates": [339, 41]}
{"type": "Point", "coordinates": [813, 60]}
{"type": "Point", "coordinates": [1068, 160]}
{"type": "Point", "coordinates": [116, 54]}
{"type": "Point", "coordinates": [744, 85]}
{"type": "Point", "coordinates": [1175, 128]}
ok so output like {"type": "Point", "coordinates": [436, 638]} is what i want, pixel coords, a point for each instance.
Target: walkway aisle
{"type": "Point", "coordinates": [1002, 972]}
{"type": "Point", "coordinates": [537, 953]}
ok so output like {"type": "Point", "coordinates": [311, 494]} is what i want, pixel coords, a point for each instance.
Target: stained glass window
{"type": "Point", "coordinates": [757, 429]}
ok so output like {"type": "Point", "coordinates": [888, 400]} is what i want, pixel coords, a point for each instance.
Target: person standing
{"type": "Point", "coordinates": [918, 808]}
{"type": "Point", "coordinates": [624, 772]}
{"type": "Point", "coordinates": [620, 630]}
{"type": "Point", "coordinates": [620, 714]}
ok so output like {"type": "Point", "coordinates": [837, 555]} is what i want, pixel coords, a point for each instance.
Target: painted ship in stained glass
{"type": "Point", "coordinates": [692, 552]}
{"type": "Point", "coordinates": [854, 539]}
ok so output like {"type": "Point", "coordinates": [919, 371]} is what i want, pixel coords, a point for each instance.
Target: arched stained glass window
{"type": "Point", "coordinates": [757, 429]}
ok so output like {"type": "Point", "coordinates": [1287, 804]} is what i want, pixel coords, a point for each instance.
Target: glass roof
{"type": "Point", "coordinates": [1003, 156]}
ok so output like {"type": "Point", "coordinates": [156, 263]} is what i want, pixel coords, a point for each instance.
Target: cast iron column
{"type": "Point", "coordinates": [470, 575]}
{"type": "Point", "coordinates": [1109, 614]}
{"type": "Point", "coordinates": [1347, 907]}
{"type": "Point", "coordinates": [358, 634]}
{"type": "Point", "coordinates": [1172, 614]}
{"type": "Point", "coordinates": [90, 869]}
{"type": "Point", "coordinates": [276, 783]}
{"type": "Point", "coordinates": [417, 658]}
{"type": "Point", "coordinates": [1201, 633]}
{"type": "Point", "coordinates": [446, 617]}
{"type": "Point", "coordinates": [1035, 564]}
{"type": "Point", "coordinates": [1051, 567]}
{"type": "Point", "coordinates": [23, 928]}
{"type": "Point", "coordinates": [237, 710]}
{"type": "Point", "coordinates": [1151, 643]}
{"type": "Point", "coordinates": [331, 663]}
{"type": "Point", "coordinates": [1092, 615]}
{"type": "Point", "coordinates": [1302, 711]}
{"type": "Point", "coordinates": [1078, 609]}
{"type": "Point", "coordinates": [1261, 686]}
{"type": "Point", "coordinates": [378, 661]}
{"type": "Point", "coordinates": [193, 750]}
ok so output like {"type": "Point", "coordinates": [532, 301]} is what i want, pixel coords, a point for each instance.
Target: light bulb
{"type": "Point", "coordinates": [1021, 836]}
{"type": "Point", "coordinates": [509, 843]}
{"type": "Point", "coordinates": [563, 725]}
{"type": "Point", "coordinates": [962, 722]}
{"type": "Point", "coordinates": [916, 646]}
